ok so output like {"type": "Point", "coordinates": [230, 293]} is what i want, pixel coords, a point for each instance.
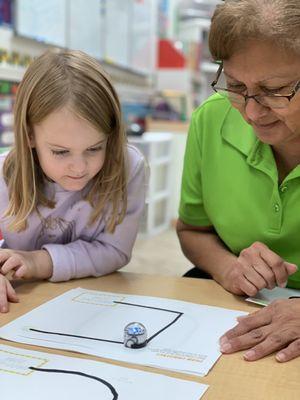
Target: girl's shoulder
{"type": "Point", "coordinates": [3, 155]}
{"type": "Point", "coordinates": [135, 160]}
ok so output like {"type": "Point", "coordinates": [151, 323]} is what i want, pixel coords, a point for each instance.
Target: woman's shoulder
{"type": "Point", "coordinates": [213, 106]}
{"type": "Point", "coordinates": [216, 113]}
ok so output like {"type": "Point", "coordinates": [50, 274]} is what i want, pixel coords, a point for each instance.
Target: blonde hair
{"type": "Point", "coordinates": [53, 80]}
{"type": "Point", "coordinates": [235, 22]}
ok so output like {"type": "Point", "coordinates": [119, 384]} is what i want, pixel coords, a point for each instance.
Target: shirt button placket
{"type": "Point", "coordinates": [276, 207]}
{"type": "Point", "coordinates": [283, 189]}
{"type": "Point", "coordinates": [275, 215]}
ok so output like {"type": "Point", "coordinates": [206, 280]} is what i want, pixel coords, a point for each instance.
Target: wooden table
{"type": "Point", "coordinates": [231, 378]}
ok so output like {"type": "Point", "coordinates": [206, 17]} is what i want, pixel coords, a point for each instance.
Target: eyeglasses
{"type": "Point", "coordinates": [275, 100]}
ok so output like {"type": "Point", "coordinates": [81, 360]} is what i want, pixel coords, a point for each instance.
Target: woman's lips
{"type": "Point", "coordinates": [265, 126]}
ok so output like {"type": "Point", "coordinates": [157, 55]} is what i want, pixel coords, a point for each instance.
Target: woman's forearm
{"type": "Point", "coordinates": [206, 250]}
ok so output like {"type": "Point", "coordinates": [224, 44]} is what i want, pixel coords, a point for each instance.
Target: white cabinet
{"type": "Point", "coordinates": [157, 149]}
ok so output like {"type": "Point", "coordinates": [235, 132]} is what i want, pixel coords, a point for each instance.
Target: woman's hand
{"type": "Point", "coordinates": [257, 267]}
{"type": "Point", "coordinates": [7, 293]}
{"type": "Point", "coordinates": [275, 328]}
{"type": "Point", "coordinates": [26, 264]}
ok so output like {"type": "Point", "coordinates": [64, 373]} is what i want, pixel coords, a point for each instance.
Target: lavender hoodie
{"type": "Point", "coordinates": [78, 250]}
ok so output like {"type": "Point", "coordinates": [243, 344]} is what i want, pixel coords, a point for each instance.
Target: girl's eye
{"type": "Point", "coordinates": [95, 149]}
{"type": "Point", "coordinates": [59, 153]}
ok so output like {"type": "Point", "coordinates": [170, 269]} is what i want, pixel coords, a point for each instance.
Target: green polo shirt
{"type": "Point", "coordinates": [230, 181]}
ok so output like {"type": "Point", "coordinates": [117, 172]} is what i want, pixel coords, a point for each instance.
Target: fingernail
{"type": "Point", "coordinates": [4, 309]}
{"type": "Point", "coordinates": [249, 355]}
{"type": "Point", "coordinates": [283, 285]}
{"type": "Point", "coordinates": [280, 357]}
{"type": "Point", "coordinates": [225, 348]}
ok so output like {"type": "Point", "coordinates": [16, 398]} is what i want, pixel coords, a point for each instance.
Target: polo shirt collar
{"type": "Point", "coordinates": [239, 134]}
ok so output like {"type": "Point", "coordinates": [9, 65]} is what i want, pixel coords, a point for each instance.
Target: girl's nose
{"type": "Point", "coordinates": [78, 165]}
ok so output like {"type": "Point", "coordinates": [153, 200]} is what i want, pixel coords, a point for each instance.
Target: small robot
{"type": "Point", "coordinates": [135, 335]}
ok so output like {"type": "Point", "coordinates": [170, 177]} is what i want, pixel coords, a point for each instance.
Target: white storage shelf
{"type": "Point", "coordinates": [157, 149]}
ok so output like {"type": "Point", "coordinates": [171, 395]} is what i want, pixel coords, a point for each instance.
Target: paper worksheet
{"type": "Point", "coordinates": [266, 296]}
{"type": "Point", "coordinates": [182, 336]}
{"type": "Point", "coordinates": [31, 375]}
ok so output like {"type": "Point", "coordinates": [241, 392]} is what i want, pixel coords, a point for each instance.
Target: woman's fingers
{"type": "Point", "coordinates": [274, 341]}
{"type": "Point", "coordinates": [291, 268]}
{"type": "Point", "coordinates": [276, 327]}
{"type": "Point", "coordinates": [245, 325]}
{"type": "Point", "coordinates": [257, 279]}
{"type": "Point", "coordinates": [266, 273]}
{"type": "Point", "coordinates": [280, 268]}
{"type": "Point", "coordinates": [264, 268]}
{"type": "Point", "coordinates": [290, 352]}
{"type": "Point", "coordinates": [247, 287]}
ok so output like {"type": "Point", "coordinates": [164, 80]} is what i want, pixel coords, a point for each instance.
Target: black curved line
{"type": "Point", "coordinates": [63, 371]}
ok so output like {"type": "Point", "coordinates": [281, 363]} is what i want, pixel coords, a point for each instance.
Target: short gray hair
{"type": "Point", "coordinates": [234, 22]}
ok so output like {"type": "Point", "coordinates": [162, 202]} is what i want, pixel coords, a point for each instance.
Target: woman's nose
{"type": "Point", "coordinates": [254, 110]}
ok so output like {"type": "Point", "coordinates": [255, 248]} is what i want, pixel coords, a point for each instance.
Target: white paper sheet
{"type": "Point", "coordinates": [93, 322]}
{"type": "Point", "coordinates": [31, 375]}
{"type": "Point", "coordinates": [266, 296]}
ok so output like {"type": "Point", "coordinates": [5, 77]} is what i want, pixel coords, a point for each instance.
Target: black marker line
{"type": "Point", "coordinates": [153, 308]}
{"type": "Point", "coordinates": [167, 326]}
{"type": "Point", "coordinates": [63, 371]}
{"type": "Point", "coordinates": [76, 336]}
{"type": "Point", "coordinates": [114, 341]}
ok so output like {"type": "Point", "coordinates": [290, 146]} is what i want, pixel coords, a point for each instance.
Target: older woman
{"type": "Point", "coordinates": [239, 215]}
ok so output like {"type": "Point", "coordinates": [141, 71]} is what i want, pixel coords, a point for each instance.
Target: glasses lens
{"type": "Point", "coordinates": [231, 96]}
{"type": "Point", "coordinates": [273, 101]}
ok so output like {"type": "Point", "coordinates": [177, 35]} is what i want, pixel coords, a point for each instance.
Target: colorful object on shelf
{"type": "Point", "coordinates": [8, 88]}
{"type": "Point", "coordinates": [169, 56]}
{"type": "Point", "coordinates": [14, 58]}
{"type": "Point", "coordinates": [5, 12]}
{"type": "Point", "coordinates": [7, 94]}
{"type": "Point", "coordinates": [169, 106]}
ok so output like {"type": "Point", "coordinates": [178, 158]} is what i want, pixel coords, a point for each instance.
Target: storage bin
{"type": "Point", "coordinates": [157, 149]}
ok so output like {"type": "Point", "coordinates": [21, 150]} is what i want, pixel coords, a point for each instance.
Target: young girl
{"type": "Point", "coordinates": [72, 190]}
